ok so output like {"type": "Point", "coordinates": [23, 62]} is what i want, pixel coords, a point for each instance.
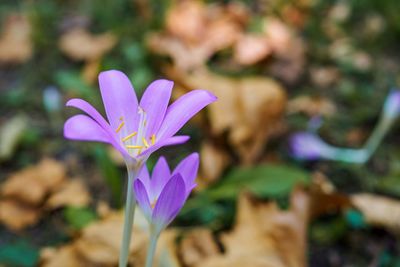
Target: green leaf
{"type": "Point", "coordinates": [20, 253]}
{"type": "Point", "coordinates": [262, 180]}
{"type": "Point", "coordinates": [78, 218]}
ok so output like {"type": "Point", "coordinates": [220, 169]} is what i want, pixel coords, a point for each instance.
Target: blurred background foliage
{"type": "Point", "coordinates": [334, 59]}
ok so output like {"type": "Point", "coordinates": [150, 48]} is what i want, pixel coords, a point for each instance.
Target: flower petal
{"type": "Point", "coordinates": [155, 102]}
{"type": "Point", "coordinates": [160, 176]}
{"type": "Point", "coordinates": [119, 99]}
{"type": "Point", "coordinates": [176, 140]}
{"type": "Point", "coordinates": [144, 176]}
{"type": "Point", "coordinates": [96, 116]}
{"type": "Point", "coordinates": [142, 198]}
{"type": "Point", "coordinates": [188, 168]}
{"type": "Point", "coordinates": [183, 110]}
{"type": "Point", "coordinates": [91, 111]}
{"type": "Point", "coordinates": [82, 127]}
{"type": "Point", "coordinates": [169, 203]}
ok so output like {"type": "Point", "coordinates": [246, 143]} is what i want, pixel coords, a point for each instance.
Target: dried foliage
{"type": "Point", "coordinates": [25, 194]}
{"type": "Point", "coordinates": [15, 41]}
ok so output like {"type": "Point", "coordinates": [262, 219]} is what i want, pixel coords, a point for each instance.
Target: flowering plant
{"type": "Point", "coordinates": [135, 129]}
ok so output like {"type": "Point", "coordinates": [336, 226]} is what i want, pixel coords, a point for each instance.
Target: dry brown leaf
{"type": "Point", "coordinates": [15, 41]}
{"type": "Point", "coordinates": [70, 193]}
{"type": "Point", "coordinates": [213, 162]}
{"type": "Point", "coordinates": [99, 245]}
{"type": "Point", "coordinates": [324, 197]}
{"type": "Point", "coordinates": [378, 210]}
{"type": "Point", "coordinates": [79, 44]}
{"type": "Point", "coordinates": [311, 106]}
{"type": "Point", "coordinates": [186, 20]}
{"type": "Point", "coordinates": [251, 49]}
{"type": "Point", "coordinates": [250, 109]}
{"type": "Point", "coordinates": [194, 32]}
{"type": "Point", "coordinates": [100, 242]}
{"type": "Point", "coordinates": [65, 256]}
{"type": "Point", "coordinates": [16, 215]}
{"type": "Point", "coordinates": [32, 184]}
{"type": "Point", "coordinates": [198, 245]}
{"type": "Point", "coordinates": [266, 236]}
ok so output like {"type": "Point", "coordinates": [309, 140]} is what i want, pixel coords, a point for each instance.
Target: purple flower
{"type": "Point", "coordinates": [135, 129]}
{"type": "Point", "coordinates": [162, 196]}
{"type": "Point", "coordinates": [309, 146]}
{"type": "Point", "coordinates": [391, 107]}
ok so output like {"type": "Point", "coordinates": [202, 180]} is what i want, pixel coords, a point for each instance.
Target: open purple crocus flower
{"type": "Point", "coordinates": [135, 129]}
{"type": "Point", "coordinates": [162, 196]}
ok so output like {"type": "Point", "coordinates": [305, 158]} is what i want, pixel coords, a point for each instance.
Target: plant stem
{"type": "Point", "coordinates": [152, 249]}
{"type": "Point", "coordinates": [129, 216]}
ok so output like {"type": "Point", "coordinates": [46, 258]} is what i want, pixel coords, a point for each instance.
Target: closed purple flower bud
{"type": "Point", "coordinates": [162, 197]}
{"type": "Point", "coordinates": [391, 107]}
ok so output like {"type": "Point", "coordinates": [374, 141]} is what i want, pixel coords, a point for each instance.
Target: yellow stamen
{"type": "Point", "coordinates": [120, 126]}
{"type": "Point", "coordinates": [121, 118]}
{"type": "Point", "coordinates": [153, 139]}
{"type": "Point", "coordinates": [135, 147]}
{"type": "Point", "coordinates": [129, 136]}
{"type": "Point", "coordinates": [145, 142]}
{"type": "Point", "coordinates": [153, 204]}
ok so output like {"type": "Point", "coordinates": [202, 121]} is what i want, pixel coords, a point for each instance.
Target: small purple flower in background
{"type": "Point", "coordinates": [391, 107]}
{"type": "Point", "coordinates": [308, 146]}
{"type": "Point", "coordinates": [162, 196]}
{"type": "Point", "coordinates": [135, 129]}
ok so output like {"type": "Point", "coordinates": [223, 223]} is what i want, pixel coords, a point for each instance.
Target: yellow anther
{"type": "Point", "coordinates": [120, 126]}
{"type": "Point", "coordinates": [135, 147]}
{"type": "Point", "coordinates": [129, 136]}
{"type": "Point", "coordinates": [153, 204]}
{"type": "Point", "coordinates": [121, 118]}
{"type": "Point", "coordinates": [145, 142]}
{"type": "Point", "coordinates": [153, 139]}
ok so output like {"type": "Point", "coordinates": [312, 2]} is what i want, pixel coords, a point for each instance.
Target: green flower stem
{"type": "Point", "coordinates": [379, 132]}
{"type": "Point", "coordinates": [129, 217]}
{"type": "Point", "coordinates": [363, 154]}
{"type": "Point", "coordinates": [152, 249]}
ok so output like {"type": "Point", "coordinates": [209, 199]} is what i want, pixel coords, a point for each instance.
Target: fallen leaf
{"type": "Point", "coordinates": [79, 44]}
{"type": "Point", "coordinates": [311, 106]}
{"type": "Point", "coordinates": [99, 244]}
{"type": "Point", "coordinates": [250, 49]}
{"type": "Point", "coordinates": [249, 109]}
{"type": "Point", "coordinates": [264, 235]}
{"type": "Point", "coordinates": [15, 41]}
{"type": "Point", "coordinates": [65, 256]}
{"type": "Point", "coordinates": [10, 133]}
{"type": "Point", "coordinates": [32, 184]}
{"type": "Point", "coordinates": [186, 20]}
{"type": "Point", "coordinates": [196, 246]}
{"type": "Point", "coordinates": [16, 215]}
{"type": "Point", "coordinates": [71, 193]}
{"type": "Point", "coordinates": [378, 210]}
{"type": "Point", "coordinates": [195, 31]}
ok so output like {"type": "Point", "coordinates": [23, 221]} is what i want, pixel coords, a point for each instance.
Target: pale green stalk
{"type": "Point", "coordinates": [129, 217]}
{"type": "Point", "coordinates": [152, 248]}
